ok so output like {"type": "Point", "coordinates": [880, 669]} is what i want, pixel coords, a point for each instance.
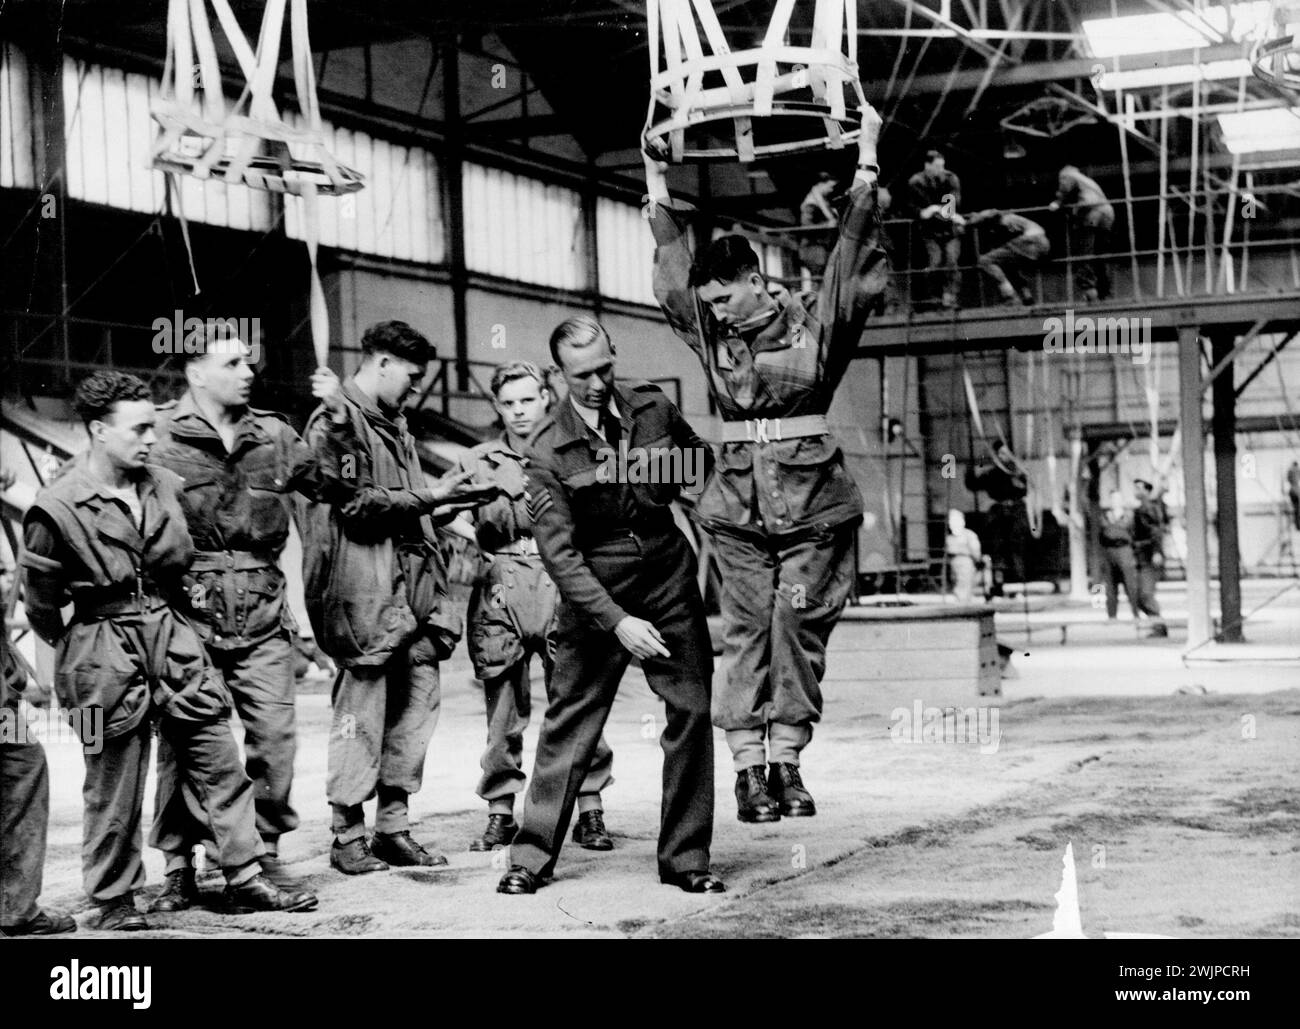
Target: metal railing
{"type": "Point", "coordinates": [1189, 258]}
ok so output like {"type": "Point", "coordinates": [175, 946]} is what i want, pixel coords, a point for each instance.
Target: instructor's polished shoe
{"type": "Point", "coordinates": [120, 915]}
{"type": "Point", "coordinates": [179, 893]}
{"type": "Point", "coordinates": [590, 832]}
{"type": "Point", "coordinates": [753, 802]}
{"type": "Point", "coordinates": [785, 785]}
{"type": "Point", "coordinates": [400, 851]}
{"type": "Point", "coordinates": [354, 858]}
{"type": "Point", "coordinates": [519, 880]}
{"type": "Point", "coordinates": [500, 831]}
{"type": "Point", "coordinates": [260, 894]}
{"type": "Point", "coordinates": [694, 882]}
{"type": "Point", "coordinates": [43, 923]}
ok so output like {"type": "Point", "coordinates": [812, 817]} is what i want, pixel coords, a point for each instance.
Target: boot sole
{"type": "Point", "coordinates": [754, 817]}
{"type": "Point", "coordinates": [244, 909]}
{"type": "Point", "coordinates": [807, 811]}
{"type": "Point", "coordinates": [359, 871]}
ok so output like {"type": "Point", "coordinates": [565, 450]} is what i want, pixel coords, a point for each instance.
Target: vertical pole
{"type": "Point", "coordinates": [1130, 108]}
{"type": "Point", "coordinates": [1195, 171]}
{"type": "Point", "coordinates": [590, 238]}
{"type": "Point", "coordinates": [1223, 422]}
{"type": "Point", "coordinates": [1077, 529]}
{"type": "Point", "coordinates": [1190, 390]}
{"type": "Point", "coordinates": [51, 153]}
{"type": "Point", "coordinates": [1164, 191]}
{"type": "Point", "coordinates": [453, 172]}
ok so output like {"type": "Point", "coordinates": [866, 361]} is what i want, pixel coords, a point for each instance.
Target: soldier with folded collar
{"type": "Point", "coordinates": [240, 467]}
{"type": "Point", "coordinates": [780, 507]}
{"type": "Point", "coordinates": [512, 615]}
{"type": "Point", "coordinates": [109, 535]}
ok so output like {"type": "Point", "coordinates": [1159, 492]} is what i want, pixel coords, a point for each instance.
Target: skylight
{"type": "Point", "coordinates": [1249, 132]}
{"type": "Point", "coordinates": [1174, 30]}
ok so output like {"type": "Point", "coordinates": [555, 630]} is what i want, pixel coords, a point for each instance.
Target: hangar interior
{"type": "Point", "coordinates": [499, 142]}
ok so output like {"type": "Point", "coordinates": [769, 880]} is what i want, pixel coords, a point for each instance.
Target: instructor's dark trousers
{"type": "Point", "coordinates": [652, 578]}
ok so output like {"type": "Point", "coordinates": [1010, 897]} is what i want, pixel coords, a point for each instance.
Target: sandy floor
{"type": "Point", "coordinates": [1176, 784]}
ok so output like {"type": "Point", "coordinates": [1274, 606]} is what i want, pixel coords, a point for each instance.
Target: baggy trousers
{"type": "Point", "coordinates": [383, 720]}
{"type": "Point", "coordinates": [24, 819]}
{"type": "Point", "coordinates": [652, 578]}
{"type": "Point", "coordinates": [512, 617]}
{"type": "Point", "coordinates": [261, 683]}
{"type": "Point", "coordinates": [780, 601]}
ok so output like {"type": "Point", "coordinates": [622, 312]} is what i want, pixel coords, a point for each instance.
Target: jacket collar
{"type": "Point", "coordinates": [371, 409]}
{"type": "Point", "coordinates": [571, 429]}
{"type": "Point", "coordinates": [87, 490]}
{"type": "Point", "coordinates": [189, 423]}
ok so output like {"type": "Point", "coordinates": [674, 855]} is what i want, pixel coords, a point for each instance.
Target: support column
{"type": "Point", "coordinates": [1077, 529]}
{"type": "Point", "coordinates": [1224, 426]}
{"type": "Point", "coordinates": [1190, 390]}
{"type": "Point", "coordinates": [454, 184]}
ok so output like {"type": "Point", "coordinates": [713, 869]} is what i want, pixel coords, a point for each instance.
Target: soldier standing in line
{"type": "Point", "coordinates": [239, 466]}
{"type": "Point", "coordinates": [376, 589]}
{"type": "Point", "coordinates": [512, 615]}
{"type": "Point", "coordinates": [109, 534]}
{"type": "Point", "coordinates": [24, 814]}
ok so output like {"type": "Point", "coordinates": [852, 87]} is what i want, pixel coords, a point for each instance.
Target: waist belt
{"type": "Point", "coordinates": [230, 560]}
{"type": "Point", "coordinates": [90, 609]}
{"type": "Point", "coordinates": [642, 528]}
{"type": "Point", "coordinates": [525, 546]}
{"type": "Point", "coordinates": [765, 430]}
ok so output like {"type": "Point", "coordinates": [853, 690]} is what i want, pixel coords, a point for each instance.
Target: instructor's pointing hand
{"type": "Point", "coordinates": [640, 638]}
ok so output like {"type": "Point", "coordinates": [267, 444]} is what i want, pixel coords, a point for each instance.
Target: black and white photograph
{"type": "Point", "coordinates": [650, 469]}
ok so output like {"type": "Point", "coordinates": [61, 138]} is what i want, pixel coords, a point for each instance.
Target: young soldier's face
{"type": "Point", "coordinates": [521, 404]}
{"type": "Point", "coordinates": [223, 374]}
{"type": "Point", "coordinates": [734, 302]}
{"type": "Point", "coordinates": [589, 373]}
{"type": "Point", "coordinates": [126, 434]}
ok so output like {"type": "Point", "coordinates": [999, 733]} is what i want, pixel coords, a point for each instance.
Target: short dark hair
{"type": "Point", "coordinates": [1148, 486]}
{"type": "Point", "coordinates": [217, 335]}
{"type": "Point", "coordinates": [930, 155]}
{"type": "Point", "coordinates": [512, 371]}
{"type": "Point", "coordinates": [582, 330]}
{"type": "Point", "coordinates": [726, 259]}
{"type": "Point", "coordinates": [97, 394]}
{"type": "Point", "coordinates": [397, 339]}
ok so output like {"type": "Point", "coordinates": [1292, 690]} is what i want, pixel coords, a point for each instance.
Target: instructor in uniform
{"type": "Point", "coordinates": [780, 507]}
{"type": "Point", "coordinates": [626, 576]}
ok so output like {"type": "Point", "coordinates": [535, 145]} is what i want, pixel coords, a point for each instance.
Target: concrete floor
{"type": "Point", "coordinates": [1176, 783]}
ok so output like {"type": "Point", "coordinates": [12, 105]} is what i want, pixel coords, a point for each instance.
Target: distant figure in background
{"type": "Point", "coordinates": [1021, 244]}
{"type": "Point", "coordinates": [1006, 524]}
{"type": "Point", "coordinates": [815, 247]}
{"type": "Point", "coordinates": [1118, 563]}
{"type": "Point", "coordinates": [1091, 219]}
{"type": "Point", "coordinates": [1293, 491]}
{"type": "Point", "coordinates": [1148, 551]}
{"type": "Point", "coordinates": [964, 556]}
{"type": "Point", "coordinates": [935, 194]}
